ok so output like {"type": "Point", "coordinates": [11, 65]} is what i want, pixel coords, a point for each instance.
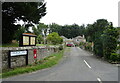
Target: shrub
{"type": "Point", "coordinates": [39, 39]}
{"type": "Point", "coordinates": [54, 38]}
{"type": "Point", "coordinates": [88, 46]}
{"type": "Point", "coordinates": [114, 57]}
{"type": "Point", "coordinates": [119, 57]}
{"type": "Point", "coordinates": [61, 47]}
{"type": "Point", "coordinates": [110, 38]}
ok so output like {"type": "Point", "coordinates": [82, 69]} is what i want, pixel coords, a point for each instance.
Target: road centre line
{"type": "Point", "coordinates": [87, 64]}
{"type": "Point", "coordinates": [99, 80]}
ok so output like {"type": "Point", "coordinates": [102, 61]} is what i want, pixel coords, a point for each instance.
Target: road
{"type": "Point", "coordinates": [76, 65]}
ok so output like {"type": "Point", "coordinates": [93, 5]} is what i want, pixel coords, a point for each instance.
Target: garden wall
{"type": "Point", "coordinates": [18, 61]}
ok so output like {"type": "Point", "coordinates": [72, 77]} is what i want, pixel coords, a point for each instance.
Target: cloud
{"type": "Point", "coordinates": [80, 11]}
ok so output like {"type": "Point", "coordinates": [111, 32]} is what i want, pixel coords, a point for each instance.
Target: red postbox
{"type": "Point", "coordinates": [35, 53]}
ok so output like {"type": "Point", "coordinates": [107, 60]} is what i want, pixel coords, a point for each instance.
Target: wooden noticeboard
{"type": "Point", "coordinates": [27, 39]}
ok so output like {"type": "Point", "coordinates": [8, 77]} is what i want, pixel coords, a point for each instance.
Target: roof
{"type": "Point", "coordinates": [31, 34]}
{"type": "Point", "coordinates": [63, 37]}
{"type": "Point", "coordinates": [79, 37]}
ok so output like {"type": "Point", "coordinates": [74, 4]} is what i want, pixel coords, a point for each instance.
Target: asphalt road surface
{"type": "Point", "coordinates": [76, 65]}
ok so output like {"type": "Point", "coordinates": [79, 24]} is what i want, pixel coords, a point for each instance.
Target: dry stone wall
{"type": "Point", "coordinates": [18, 61]}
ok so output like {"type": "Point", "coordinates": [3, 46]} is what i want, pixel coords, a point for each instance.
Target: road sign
{"type": "Point", "coordinates": [16, 53]}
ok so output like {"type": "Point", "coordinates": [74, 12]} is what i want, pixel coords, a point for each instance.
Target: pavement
{"type": "Point", "coordinates": [76, 65]}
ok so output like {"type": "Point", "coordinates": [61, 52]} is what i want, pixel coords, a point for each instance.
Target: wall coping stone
{"type": "Point", "coordinates": [28, 47]}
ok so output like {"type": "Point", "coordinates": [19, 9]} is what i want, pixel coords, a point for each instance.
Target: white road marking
{"type": "Point", "coordinates": [99, 80]}
{"type": "Point", "coordinates": [87, 64]}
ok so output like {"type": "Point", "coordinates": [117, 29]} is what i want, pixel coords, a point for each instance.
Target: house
{"type": "Point", "coordinates": [64, 38]}
{"type": "Point", "coordinates": [79, 39]}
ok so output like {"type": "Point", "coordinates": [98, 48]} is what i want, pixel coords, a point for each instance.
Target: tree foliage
{"type": "Point", "coordinates": [54, 38]}
{"type": "Point", "coordinates": [94, 32]}
{"type": "Point", "coordinates": [39, 39]}
{"type": "Point", "coordinates": [69, 31]}
{"type": "Point", "coordinates": [104, 36]}
{"type": "Point", "coordinates": [110, 38]}
{"type": "Point", "coordinates": [19, 32]}
{"type": "Point", "coordinates": [55, 27]}
{"type": "Point", "coordinates": [29, 12]}
{"type": "Point", "coordinates": [39, 29]}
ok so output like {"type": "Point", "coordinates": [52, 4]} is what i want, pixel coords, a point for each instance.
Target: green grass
{"type": "Point", "coordinates": [40, 44]}
{"type": "Point", "coordinates": [47, 62]}
{"type": "Point", "coordinates": [45, 45]}
{"type": "Point", "coordinates": [10, 45]}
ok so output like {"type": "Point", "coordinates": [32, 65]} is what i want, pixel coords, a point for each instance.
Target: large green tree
{"type": "Point", "coordinates": [110, 41]}
{"type": "Point", "coordinates": [29, 12]}
{"type": "Point", "coordinates": [55, 27]}
{"type": "Point", "coordinates": [54, 38]}
{"type": "Point", "coordinates": [69, 31]}
{"type": "Point", "coordinates": [41, 27]}
{"type": "Point", "coordinates": [94, 32]}
{"type": "Point", "coordinates": [99, 26]}
{"type": "Point", "coordinates": [18, 33]}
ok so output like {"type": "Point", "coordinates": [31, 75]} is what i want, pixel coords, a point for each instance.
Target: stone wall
{"type": "Point", "coordinates": [18, 61]}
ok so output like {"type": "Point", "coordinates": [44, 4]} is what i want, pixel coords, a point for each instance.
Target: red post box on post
{"type": "Point", "coordinates": [35, 53]}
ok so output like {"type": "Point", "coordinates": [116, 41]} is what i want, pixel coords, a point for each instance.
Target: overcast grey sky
{"type": "Point", "coordinates": [80, 11]}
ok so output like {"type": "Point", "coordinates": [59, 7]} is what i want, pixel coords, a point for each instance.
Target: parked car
{"type": "Point", "coordinates": [70, 45]}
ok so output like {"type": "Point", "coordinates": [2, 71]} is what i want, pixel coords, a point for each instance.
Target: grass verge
{"type": "Point", "coordinates": [45, 45]}
{"type": "Point", "coordinates": [41, 64]}
{"type": "Point", "coordinates": [40, 44]}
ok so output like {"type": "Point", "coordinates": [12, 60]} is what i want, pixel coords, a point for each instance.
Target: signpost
{"type": "Point", "coordinates": [17, 53]}
{"type": "Point", "coordinates": [27, 39]}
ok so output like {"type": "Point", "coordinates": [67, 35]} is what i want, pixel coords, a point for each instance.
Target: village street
{"type": "Point", "coordinates": [76, 65]}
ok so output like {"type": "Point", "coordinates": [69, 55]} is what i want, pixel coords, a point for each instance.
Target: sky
{"type": "Point", "coordinates": [80, 12]}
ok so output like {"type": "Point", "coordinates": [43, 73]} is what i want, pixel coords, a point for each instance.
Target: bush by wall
{"type": "Point", "coordinates": [115, 57]}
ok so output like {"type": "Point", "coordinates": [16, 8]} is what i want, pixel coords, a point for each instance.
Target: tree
{"type": "Point", "coordinates": [39, 29]}
{"type": "Point", "coordinates": [94, 32]}
{"type": "Point", "coordinates": [54, 38]}
{"type": "Point", "coordinates": [89, 33]}
{"type": "Point", "coordinates": [99, 26]}
{"type": "Point", "coordinates": [39, 39]}
{"type": "Point", "coordinates": [55, 27]}
{"type": "Point", "coordinates": [36, 31]}
{"type": "Point", "coordinates": [29, 12]}
{"type": "Point", "coordinates": [110, 38]}
{"type": "Point", "coordinates": [19, 32]}
{"type": "Point", "coordinates": [69, 31]}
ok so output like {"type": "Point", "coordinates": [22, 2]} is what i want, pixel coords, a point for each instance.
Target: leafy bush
{"type": "Point", "coordinates": [54, 38]}
{"type": "Point", "coordinates": [110, 37]}
{"type": "Point", "coordinates": [114, 57]}
{"type": "Point", "coordinates": [39, 39]}
{"type": "Point", "coordinates": [88, 46]}
{"type": "Point", "coordinates": [118, 57]}
{"type": "Point", "coordinates": [61, 47]}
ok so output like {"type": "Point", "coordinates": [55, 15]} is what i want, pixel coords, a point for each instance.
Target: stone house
{"type": "Point", "coordinates": [79, 39]}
